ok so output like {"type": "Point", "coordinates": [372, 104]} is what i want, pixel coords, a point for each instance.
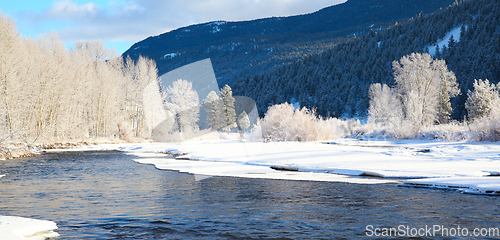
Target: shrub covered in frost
{"type": "Point", "coordinates": [487, 128]}
{"type": "Point", "coordinates": [483, 106]}
{"type": "Point", "coordinates": [282, 122]}
{"type": "Point", "coordinates": [482, 100]}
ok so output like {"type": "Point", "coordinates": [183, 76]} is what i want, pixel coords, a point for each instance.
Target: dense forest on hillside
{"type": "Point", "coordinates": [241, 49]}
{"type": "Point", "coordinates": [336, 82]}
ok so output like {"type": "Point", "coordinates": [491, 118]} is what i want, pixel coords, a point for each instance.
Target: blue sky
{"type": "Point", "coordinates": [121, 23]}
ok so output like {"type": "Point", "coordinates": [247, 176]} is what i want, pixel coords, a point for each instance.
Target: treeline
{"type": "Point", "coordinates": [336, 82]}
{"type": "Point", "coordinates": [50, 93]}
{"type": "Point", "coordinates": [417, 106]}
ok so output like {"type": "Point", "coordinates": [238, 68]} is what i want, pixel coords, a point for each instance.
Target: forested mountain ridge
{"type": "Point", "coordinates": [336, 81]}
{"type": "Point", "coordinates": [241, 49]}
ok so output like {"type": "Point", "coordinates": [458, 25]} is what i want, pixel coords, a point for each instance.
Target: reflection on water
{"type": "Point", "coordinates": [106, 195]}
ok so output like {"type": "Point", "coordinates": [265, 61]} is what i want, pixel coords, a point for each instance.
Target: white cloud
{"type": "Point", "coordinates": [67, 9]}
{"type": "Point", "coordinates": [134, 20]}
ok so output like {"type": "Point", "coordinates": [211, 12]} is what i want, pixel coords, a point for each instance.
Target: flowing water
{"type": "Point", "coordinates": [106, 195]}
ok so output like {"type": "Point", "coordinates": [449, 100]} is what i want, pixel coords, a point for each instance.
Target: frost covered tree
{"type": "Point", "coordinates": [51, 93]}
{"type": "Point", "coordinates": [156, 118]}
{"type": "Point", "coordinates": [213, 105]}
{"type": "Point", "coordinates": [228, 110]}
{"type": "Point", "coordinates": [483, 106]}
{"type": "Point", "coordinates": [385, 106]}
{"type": "Point", "coordinates": [420, 80]}
{"type": "Point", "coordinates": [482, 100]}
{"type": "Point", "coordinates": [11, 62]}
{"type": "Point", "coordinates": [182, 99]}
{"type": "Point", "coordinates": [243, 121]}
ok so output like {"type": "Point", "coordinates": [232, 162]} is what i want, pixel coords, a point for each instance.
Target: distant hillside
{"type": "Point", "coordinates": [336, 82]}
{"type": "Point", "coordinates": [241, 49]}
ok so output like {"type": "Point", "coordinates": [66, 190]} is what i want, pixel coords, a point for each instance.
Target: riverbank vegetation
{"type": "Point", "coordinates": [49, 93]}
{"type": "Point", "coordinates": [417, 106]}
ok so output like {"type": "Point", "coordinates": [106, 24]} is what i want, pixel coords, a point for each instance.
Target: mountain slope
{"type": "Point", "coordinates": [336, 82]}
{"type": "Point", "coordinates": [241, 49]}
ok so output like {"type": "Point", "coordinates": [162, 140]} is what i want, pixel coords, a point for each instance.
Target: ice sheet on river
{"type": "Point", "coordinates": [14, 228]}
{"type": "Point", "coordinates": [315, 161]}
{"type": "Point", "coordinates": [478, 185]}
{"type": "Point", "coordinates": [201, 169]}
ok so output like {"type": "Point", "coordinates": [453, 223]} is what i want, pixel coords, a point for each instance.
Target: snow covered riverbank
{"type": "Point", "coordinates": [14, 228]}
{"type": "Point", "coordinates": [446, 164]}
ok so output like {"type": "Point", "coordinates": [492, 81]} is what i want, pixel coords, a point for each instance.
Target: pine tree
{"type": "Point", "coordinates": [444, 104]}
{"type": "Point", "coordinates": [228, 110]}
{"type": "Point", "coordinates": [214, 110]}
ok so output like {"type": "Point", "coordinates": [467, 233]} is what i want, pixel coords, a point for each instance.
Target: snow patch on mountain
{"type": "Point", "coordinates": [215, 26]}
{"type": "Point", "coordinates": [455, 32]}
{"type": "Point", "coordinates": [171, 55]}
{"type": "Point", "coordinates": [142, 46]}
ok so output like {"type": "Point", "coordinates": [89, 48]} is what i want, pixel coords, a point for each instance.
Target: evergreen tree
{"type": "Point", "coordinates": [444, 104]}
{"type": "Point", "coordinates": [228, 110]}
{"type": "Point", "coordinates": [214, 111]}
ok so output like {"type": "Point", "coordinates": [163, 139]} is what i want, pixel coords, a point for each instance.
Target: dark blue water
{"type": "Point", "coordinates": [105, 195]}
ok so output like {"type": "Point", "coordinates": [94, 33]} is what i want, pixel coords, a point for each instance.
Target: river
{"type": "Point", "coordinates": [106, 195]}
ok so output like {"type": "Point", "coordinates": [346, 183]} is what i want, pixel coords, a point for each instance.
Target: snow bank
{"type": "Point", "coordinates": [403, 159]}
{"type": "Point", "coordinates": [479, 185]}
{"type": "Point", "coordinates": [336, 161]}
{"type": "Point", "coordinates": [14, 228]}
